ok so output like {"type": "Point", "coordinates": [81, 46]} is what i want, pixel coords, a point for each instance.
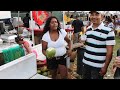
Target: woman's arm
{"type": "Point", "coordinates": [68, 41]}
{"type": "Point", "coordinates": [116, 64]}
{"type": "Point", "coordinates": [28, 49]}
{"type": "Point", "coordinates": [117, 61]}
{"type": "Point", "coordinates": [44, 47]}
{"type": "Point", "coordinates": [69, 45]}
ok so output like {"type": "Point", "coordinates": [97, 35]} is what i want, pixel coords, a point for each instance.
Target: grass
{"type": "Point", "coordinates": [110, 74]}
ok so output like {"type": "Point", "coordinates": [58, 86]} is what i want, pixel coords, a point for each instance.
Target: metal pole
{"type": "Point", "coordinates": [18, 23]}
{"type": "Point", "coordinates": [63, 20]}
{"type": "Point", "coordinates": [31, 23]}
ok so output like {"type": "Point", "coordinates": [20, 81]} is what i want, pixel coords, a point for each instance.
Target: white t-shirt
{"type": "Point", "coordinates": [59, 45]}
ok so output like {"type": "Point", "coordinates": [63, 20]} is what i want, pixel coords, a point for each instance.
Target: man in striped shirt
{"type": "Point", "coordinates": [99, 42]}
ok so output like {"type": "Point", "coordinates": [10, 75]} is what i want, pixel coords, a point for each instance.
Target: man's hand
{"type": "Point", "coordinates": [103, 71]}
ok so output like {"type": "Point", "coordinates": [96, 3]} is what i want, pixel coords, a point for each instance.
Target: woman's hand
{"type": "Point", "coordinates": [117, 61]}
{"type": "Point", "coordinates": [69, 52]}
{"type": "Point", "coordinates": [116, 64]}
{"type": "Point", "coordinates": [114, 69]}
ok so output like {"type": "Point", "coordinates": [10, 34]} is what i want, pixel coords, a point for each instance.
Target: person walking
{"type": "Point", "coordinates": [26, 20]}
{"type": "Point", "coordinates": [77, 25]}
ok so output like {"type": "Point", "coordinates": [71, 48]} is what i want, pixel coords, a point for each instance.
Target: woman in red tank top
{"type": "Point", "coordinates": [25, 45]}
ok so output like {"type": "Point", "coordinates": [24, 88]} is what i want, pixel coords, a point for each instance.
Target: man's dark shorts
{"type": "Point", "coordinates": [90, 72]}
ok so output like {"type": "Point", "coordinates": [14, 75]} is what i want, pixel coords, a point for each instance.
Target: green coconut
{"type": "Point", "coordinates": [39, 71]}
{"type": "Point", "coordinates": [50, 52]}
{"type": "Point", "coordinates": [45, 73]}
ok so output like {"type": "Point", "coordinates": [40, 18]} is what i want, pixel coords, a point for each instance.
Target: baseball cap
{"type": "Point", "coordinates": [101, 12]}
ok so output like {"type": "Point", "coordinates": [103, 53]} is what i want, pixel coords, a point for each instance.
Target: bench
{"type": "Point", "coordinates": [21, 68]}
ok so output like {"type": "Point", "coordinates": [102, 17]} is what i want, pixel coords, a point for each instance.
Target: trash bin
{"type": "Point", "coordinates": [80, 54]}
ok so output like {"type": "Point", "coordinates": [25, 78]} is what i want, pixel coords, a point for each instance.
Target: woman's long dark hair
{"type": "Point", "coordinates": [18, 38]}
{"type": "Point", "coordinates": [47, 24]}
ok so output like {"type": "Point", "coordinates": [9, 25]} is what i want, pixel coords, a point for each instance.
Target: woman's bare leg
{"type": "Point", "coordinates": [63, 71]}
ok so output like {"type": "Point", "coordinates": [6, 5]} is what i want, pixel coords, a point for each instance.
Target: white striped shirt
{"type": "Point", "coordinates": [96, 41]}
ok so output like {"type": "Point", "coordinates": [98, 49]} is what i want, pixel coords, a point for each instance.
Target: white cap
{"type": "Point", "coordinates": [101, 12]}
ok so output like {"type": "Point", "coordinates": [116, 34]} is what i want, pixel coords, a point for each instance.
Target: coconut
{"type": "Point", "coordinates": [50, 52]}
